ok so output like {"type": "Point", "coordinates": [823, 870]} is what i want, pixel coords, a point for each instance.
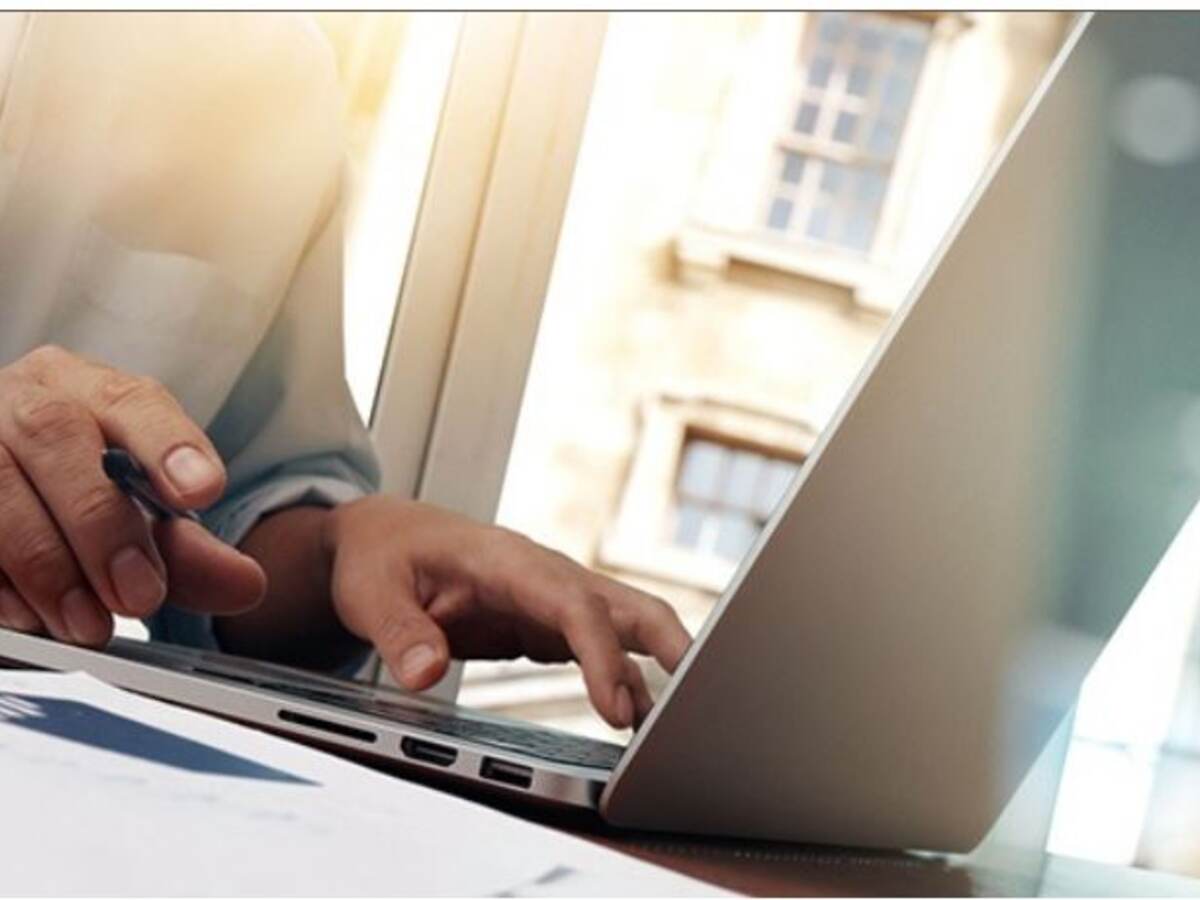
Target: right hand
{"type": "Point", "coordinates": [74, 550]}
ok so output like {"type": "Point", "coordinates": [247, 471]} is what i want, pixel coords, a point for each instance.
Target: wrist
{"type": "Point", "coordinates": [332, 529]}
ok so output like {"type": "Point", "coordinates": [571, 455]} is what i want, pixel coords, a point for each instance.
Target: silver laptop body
{"type": "Point", "coordinates": [917, 618]}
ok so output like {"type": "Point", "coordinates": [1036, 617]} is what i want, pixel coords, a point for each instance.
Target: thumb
{"type": "Point", "coordinates": [205, 574]}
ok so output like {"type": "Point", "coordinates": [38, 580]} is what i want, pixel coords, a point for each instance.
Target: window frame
{"type": "Point", "coordinates": [730, 443]}
{"type": "Point", "coordinates": [722, 229]}
{"type": "Point", "coordinates": [640, 542]}
{"type": "Point", "coordinates": [482, 252]}
{"type": "Point", "coordinates": [831, 100]}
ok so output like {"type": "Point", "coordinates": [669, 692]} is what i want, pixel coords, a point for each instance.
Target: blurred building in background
{"type": "Point", "coordinates": [755, 194]}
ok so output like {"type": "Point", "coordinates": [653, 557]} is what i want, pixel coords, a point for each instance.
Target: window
{"type": "Point", "coordinates": [725, 495]}
{"type": "Point", "coordinates": [855, 84]}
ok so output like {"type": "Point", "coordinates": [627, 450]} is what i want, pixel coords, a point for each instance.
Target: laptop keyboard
{"type": "Point", "coordinates": [532, 740]}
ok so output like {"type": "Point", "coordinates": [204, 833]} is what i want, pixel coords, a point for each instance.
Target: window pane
{"type": "Point", "coordinates": [776, 479]}
{"type": "Point", "coordinates": [909, 50]}
{"type": "Point", "coordinates": [859, 82]}
{"type": "Point", "coordinates": [742, 479]}
{"type": "Point", "coordinates": [883, 139]}
{"type": "Point", "coordinates": [895, 95]}
{"type": "Point", "coordinates": [736, 535]}
{"type": "Point", "coordinates": [806, 118]}
{"type": "Point", "coordinates": [818, 224]}
{"type": "Point", "coordinates": [870, 186]}
{"type": "Point", "coordinates": [832, 176]}
{"type": "Point", "coordinates": [860, 228]}
{"type": "Point", "coordinates": [819, 71]}
{"type": "Point", "coordinates": [793, 168]}
{"type": "Point", "coordinates": [870, 38]}
{"type": "Point", "coordinates": [843, 130]}
{"type": "Point", "coordinates": [689, 523]}
{"type": "Point", "coordinates": [781, 214]}
{"type": "Point", "coordinates": [832, 27]}
{"type": "Point", "coordinates": [701, 472]}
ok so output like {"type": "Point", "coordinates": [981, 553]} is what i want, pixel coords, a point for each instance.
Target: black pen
{"type": "Point", "coordinates": [123, 470]}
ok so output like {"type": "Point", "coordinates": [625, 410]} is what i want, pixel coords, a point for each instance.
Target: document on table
{"type": "Point", "coordinates": [103, 792]}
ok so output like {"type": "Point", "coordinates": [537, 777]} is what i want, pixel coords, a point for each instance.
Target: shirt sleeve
{"type": "Point", "coordinates": [289, 431]}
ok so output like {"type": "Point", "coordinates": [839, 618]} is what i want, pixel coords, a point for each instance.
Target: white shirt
{"type": "Point", "coordinates": [171, 203]}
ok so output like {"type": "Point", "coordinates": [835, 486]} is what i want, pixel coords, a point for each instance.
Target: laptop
{"type": "Point", "coordinates": [917, 618]}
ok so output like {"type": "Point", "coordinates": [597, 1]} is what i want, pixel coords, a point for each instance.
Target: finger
{"type": "Point", "coordinates": [647, 624]}
{"type": "Point", "coordinates": [383, 608]}
{"type": "Point", "coordinates": [139, 414]}
{"type": "Point", "coordinates": [643, 702]}
{"type": "Point", "coordinates": [15, 612]}
{"type": "Point", "coordinates": [588, 630]}
{"type": "Point", "coordinates": [40, 566]}
{"type": "Point", "coordinates": [205, 574]}
{"type": "Point", "coordinates": [553, 591]}
{"type": "Point", "coordinates": [57, 445]}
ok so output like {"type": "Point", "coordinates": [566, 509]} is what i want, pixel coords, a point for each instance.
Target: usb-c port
{"type": "Point", "coordinates": [506, 772]}
{"type": "Point", "coordinates": [428, 752]}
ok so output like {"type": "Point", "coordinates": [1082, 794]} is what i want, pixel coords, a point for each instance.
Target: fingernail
{"type": "Point", "coordinates": [624, 707]}
{"type": "Point", "coordinates": [415, 662]}
{"type": "Point", "coordinates": [139, 586]}
{"type": "Point", "coordinates": [190, 470]}
{"type": "Point", "coordinates": [16, 613]}
{"type": "Point", "coordinates": [86, 622]}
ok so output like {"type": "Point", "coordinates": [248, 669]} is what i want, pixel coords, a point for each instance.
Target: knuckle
{"type": "Point", "coordinates": [94, 505]}
{"type": "Point", "coordinates": [117, 390]}
{"type": "Point", "coordinates": [37, 556]}
{"type": "Point", "coordinates": [581, 610]}
{"type": "Point", "coordinates": [46, 418]}
{"type": "Point", "coordinates": [47, 357]}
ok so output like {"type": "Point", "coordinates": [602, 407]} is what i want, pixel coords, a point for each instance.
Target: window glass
{"type": "Point", "coordinates": [793, 168]}
{"type": "Point", "coordinates": [725, 495]}
{"type": "Point", "coordinates": [868, 64]}
{"type": "Point", "coordinates": [806, 118]}
{"type": "Point", "coordinates": [703, 470]}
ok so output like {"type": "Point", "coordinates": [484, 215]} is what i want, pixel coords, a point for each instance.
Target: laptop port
{"type": "Point", "coordinates": [428, 752]}
{"type": "Point", "coordinates": [506, 772]}
{"type": "Point", "coordinates": [338, 728]}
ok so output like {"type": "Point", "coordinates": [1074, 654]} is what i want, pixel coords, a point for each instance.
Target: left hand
{"type": "Point", "coordinates": [425, 585]}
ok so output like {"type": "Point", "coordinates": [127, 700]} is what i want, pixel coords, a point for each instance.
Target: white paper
{"type": "Point", "coordinates": [104, 792]}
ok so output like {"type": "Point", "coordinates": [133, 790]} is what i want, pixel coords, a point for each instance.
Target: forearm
{"type": "Point", "coordinates": [296, 622]}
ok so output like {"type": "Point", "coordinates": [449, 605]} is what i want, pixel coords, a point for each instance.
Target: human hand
{"type": "Point", "coordinates": [75, 550]}
{"type": "Point", "coordinates": [425, 585]}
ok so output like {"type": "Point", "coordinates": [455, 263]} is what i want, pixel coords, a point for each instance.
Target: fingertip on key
{"type": "Point", "coordinates": [624, 707]}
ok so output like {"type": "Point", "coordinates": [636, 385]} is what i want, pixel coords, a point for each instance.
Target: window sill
{"type": "Point", "coordinates": [705, 253]}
